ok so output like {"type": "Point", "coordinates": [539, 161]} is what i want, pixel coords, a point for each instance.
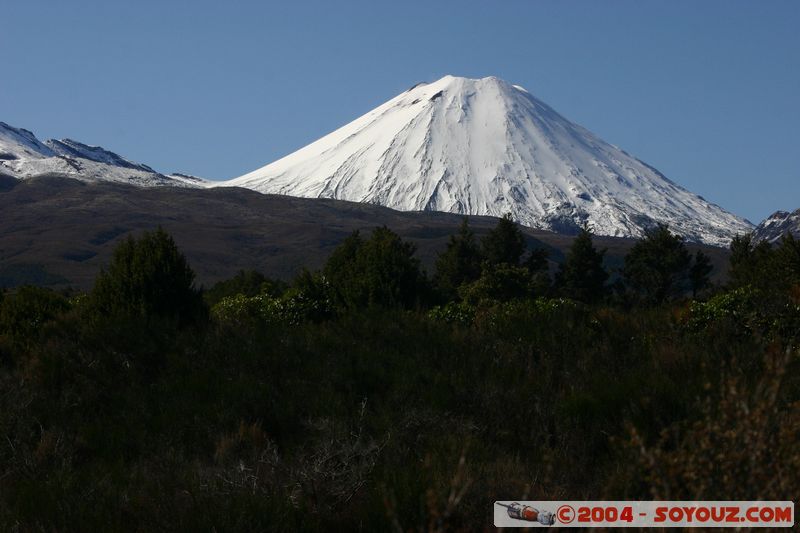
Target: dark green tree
{"type": "Point", "coordinates": [380, 271]}
{"type": "Point", "coordinates": [339, 267]}
{"type": "Point", "coordinates": [459, 263]}
{"type": "Point", "coordinates": [536, 261]}
{"type": "Point", "coordinates": [657, 267]}
{"type": "Point", "coordinates": [505, 243]}
{"type": "Point", "coordinates": [148, 278]}
{"type": "Point", "coordinates": [341, 273]}
{"type": "Point", "coordinates": [582, 276]}
{"type": "Point", "coordinates": [699, 273]}
{"type": "Point", "coordinates": [539, 270]}
{"type": "Point", "coordinates": [749, 261]}
{"type": "Point", "coordinates": [787, 256]}
{"type": "Point", "coordinates": [392, 274]}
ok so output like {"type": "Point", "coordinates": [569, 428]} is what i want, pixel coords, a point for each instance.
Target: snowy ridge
{"type": "Point", "coordinates": [23, 156]}
{"type": "Point", "coordinates": [778, 224]}
{"type": "Point", "coordinates": [70, 148]}
{"type": "Point", "coordinates": [16, 143]}
{"type": "Point", "coordinates": [486, 147]}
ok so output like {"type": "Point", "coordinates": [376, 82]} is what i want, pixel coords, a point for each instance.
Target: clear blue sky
{"type": "Point", "coordinates": [705, 91]}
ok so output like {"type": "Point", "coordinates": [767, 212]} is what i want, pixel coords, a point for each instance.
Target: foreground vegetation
{"type": "Point", "coordinates": [371, 396]}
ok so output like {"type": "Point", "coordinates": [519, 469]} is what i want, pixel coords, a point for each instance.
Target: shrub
{"type": "Point", "coordinates": [25, 312]}
{"type": "Point", "coordinates": [247, 282]}
{"type": "Point", "coordinates": [499, 283]}
{"type": "Point", "coordinates": [738, 306]}
{"type": "Point", "coordinates": [294, 307]}
{"type": "Point", "coordinates": [515, 317]}
{"type": "Point", "coordinates": [453, 313]}
{"type": "Point", "coordinates": [148, 278]}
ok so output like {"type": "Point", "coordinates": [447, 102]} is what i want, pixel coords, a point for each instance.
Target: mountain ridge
{"type": "Point", "coordinates": [778, 224]}
{"type": "Point", "coordinates": [23, 155]}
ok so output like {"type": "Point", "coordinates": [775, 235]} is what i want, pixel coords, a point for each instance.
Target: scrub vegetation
{"type": "Point", "coordinates": [372, 396]}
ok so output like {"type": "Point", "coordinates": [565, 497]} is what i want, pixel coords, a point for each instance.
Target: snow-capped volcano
{"type": "Point", "coordinates": [486, 147]}
{"type": "Point", "coordinates": [22, 155]}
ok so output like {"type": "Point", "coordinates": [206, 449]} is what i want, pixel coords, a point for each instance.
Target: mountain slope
{"type": "Point", "coordinates": [777, 225]}
{"type": "Point", "coordinates": [23, 156]}
{"type": "Point", "coordinates": [483, 146]}
{"type": "Point", "coordinates": [60, 231]}
{"type": "Point", "coordinates": [70, 148]}
{"type": "Point", "coordinates": [18, 143]}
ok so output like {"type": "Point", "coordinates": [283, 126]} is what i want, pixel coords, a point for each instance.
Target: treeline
{"type": "Point", "coordinates": [380, 270]}
{"type": "Point", "coordinates": [370, 395]}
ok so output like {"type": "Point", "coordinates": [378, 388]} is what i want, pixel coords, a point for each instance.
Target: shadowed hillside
{"type": "Point", "coordinates": [57, 231]}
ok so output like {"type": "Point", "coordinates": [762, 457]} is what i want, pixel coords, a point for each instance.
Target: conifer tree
{"type": "Point", "coordinates": [341, 273]}
{"type": "Point", "coordinates": [379, 271]}
{"type": "Point", "coordinates": [699, 273]}
{"type": "Point", "coordinates": [391, 272]}
{"type": "Point", "coordinates": [504, 243]}
{"type": "Point", "coordinates": [539, 270]}
{"type": "Point", "coordinates": [148, 278]}
{"type": "Point", "coordinates": [749, 261]}
{"type": "Point", "coordinates": [536, 261]}
{"type": "Point", "coordinates": [582, 276]}
{"type": "Point", "coordinates": [788, 259]}
{"type": "Point", "coordinates": [657, 267]}
{"type": "Point", "coordinates": [459, 263]}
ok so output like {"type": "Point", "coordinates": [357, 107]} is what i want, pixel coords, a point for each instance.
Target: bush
{"type": "Point", "coordinates": [281, 414]}
{"type": "Point", "coordinates": [453, 313]}
{"type": "Point", "coordinates": [499, 283]}
{"type": "Point", "coordinates": [294, 307]}
{"type": "Point", "coordinates": [24, 313]}
{"type": "Point", "coordinates": [148, 278]}
{"type": "Point", "coordinates": [514, 316]}
{"type": "Point", "coordinates": [246, 282]}
{"type": "Point", "coordinates": [738, 306]}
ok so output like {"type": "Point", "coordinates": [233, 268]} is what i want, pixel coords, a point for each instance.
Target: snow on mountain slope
{"type": "Point", "coordinates": [16, 143]}
{"type": "Point", "coordinates": [778, 224]}
{"type": "Point", "coordinates": [486, 147]}
{"type": "Point", "coordinates": [70, 148]}
{"type": "Point", "coordinates": [22, 156]}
